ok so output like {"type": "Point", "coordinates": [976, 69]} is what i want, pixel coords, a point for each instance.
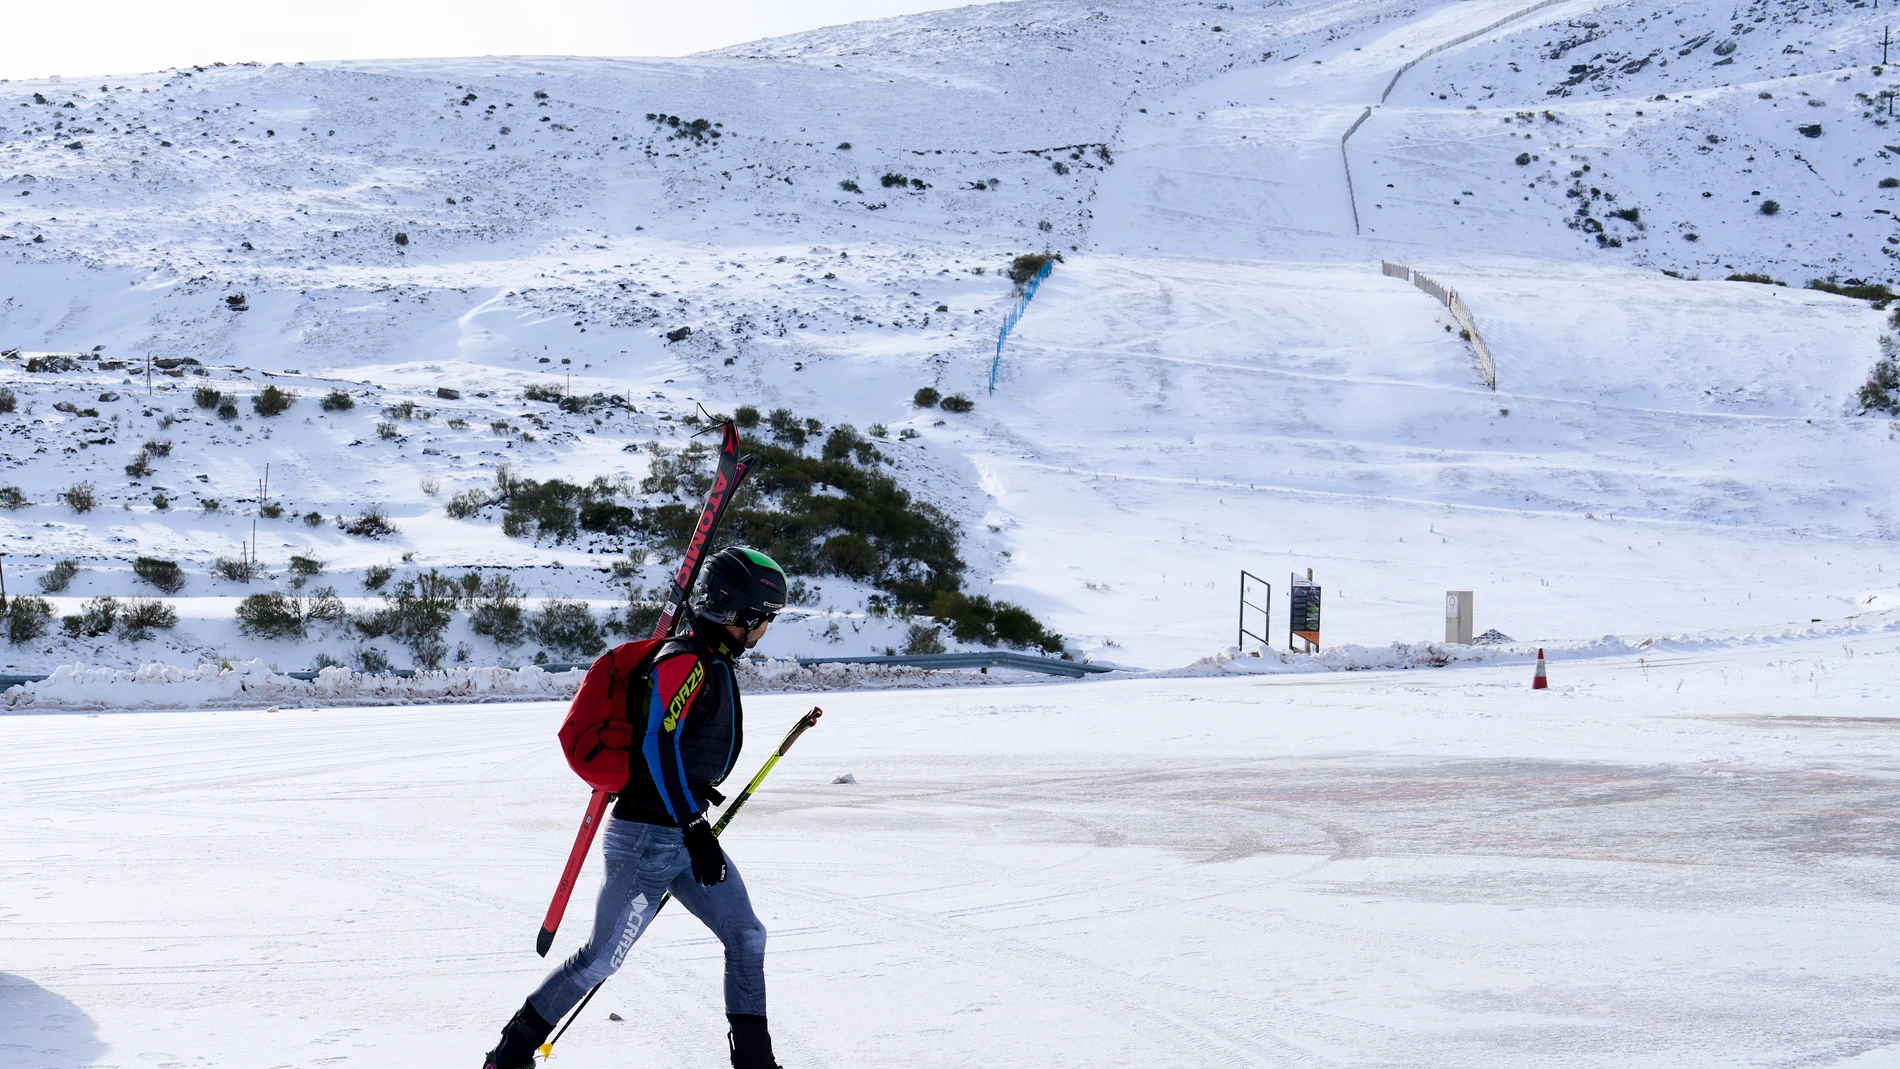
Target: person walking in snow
{"type": "Point", "coordinates": [658, 839]}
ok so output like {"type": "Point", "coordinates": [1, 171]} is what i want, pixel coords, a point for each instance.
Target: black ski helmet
{"type": "Point", "coordinates": [740, 586]}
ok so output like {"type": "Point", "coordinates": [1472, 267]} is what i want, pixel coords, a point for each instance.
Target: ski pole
{"type": "Point", "coordinates": [804, 724]}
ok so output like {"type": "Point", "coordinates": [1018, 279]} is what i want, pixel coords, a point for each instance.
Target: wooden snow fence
{"type": "Point", "coordinates": [1459, 311]}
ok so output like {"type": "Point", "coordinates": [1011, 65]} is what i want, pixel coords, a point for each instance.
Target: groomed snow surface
{"type": "Point", "coordinates": [1672, 860]}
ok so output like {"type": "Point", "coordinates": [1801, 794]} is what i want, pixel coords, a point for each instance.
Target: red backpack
{"type": "Point", "coordinates": [598, 735]}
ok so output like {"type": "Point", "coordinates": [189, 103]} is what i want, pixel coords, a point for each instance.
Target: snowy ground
{"type": "Point", "coordinates": [1677, 860]}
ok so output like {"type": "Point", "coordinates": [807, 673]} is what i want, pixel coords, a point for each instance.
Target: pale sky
{"type": "Point", "coordinates": [39, 38]}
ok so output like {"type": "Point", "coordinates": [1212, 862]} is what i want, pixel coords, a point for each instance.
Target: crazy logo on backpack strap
{"type": "Point", "coordinates": [682, 694]}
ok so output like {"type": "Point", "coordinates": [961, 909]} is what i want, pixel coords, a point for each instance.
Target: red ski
{"type": "Point", "coordinates": [726, 480]}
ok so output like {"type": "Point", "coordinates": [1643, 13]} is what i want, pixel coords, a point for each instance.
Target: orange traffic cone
{"type": "Point", "coordinates": [1540, 681]}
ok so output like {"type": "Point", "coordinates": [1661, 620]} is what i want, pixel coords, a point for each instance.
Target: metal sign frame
{"type": "Point", "coordinates": [1266, 613]}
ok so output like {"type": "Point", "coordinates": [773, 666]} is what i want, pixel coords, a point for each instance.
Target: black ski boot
{"type": "Point", "coordinates": [525, 1032]}
{"type": "Point", "coordinates": [751, 1043]}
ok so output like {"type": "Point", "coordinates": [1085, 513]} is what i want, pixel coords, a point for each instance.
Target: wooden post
{"type": "Point", "coordinates": [3, 584]}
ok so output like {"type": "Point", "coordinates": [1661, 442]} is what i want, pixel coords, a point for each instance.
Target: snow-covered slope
{"type": "Point", "coordinates": [1216, 377]}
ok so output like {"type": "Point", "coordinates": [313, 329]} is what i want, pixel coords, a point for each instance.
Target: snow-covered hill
{"type": "Point", "coordinates": [1216, 377]}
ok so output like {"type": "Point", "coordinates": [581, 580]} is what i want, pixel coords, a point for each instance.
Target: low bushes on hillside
{"type": "Point", "coordinates": [272, 401]}
{"type": "Point", "coordinates": [94, 618]}
{"type": "Point", "coordinates": [372, 523]}
{"type": "Point", "coordinates": [80, 497]}
{"type": "Point", "coordinates": [271, 615]}
{"type": "Point", "coordinates": [141, 616]}
{"type": "Point", "coordinates": [163, 574]}
{"type": "Point", "coordinates": [1875, 292]}
{"type": "Point", "coordinates": [57, 578]}
{"type": "Point", "coordinates": [416, 612]}
{"type": "Point", "coordinates": [495, 611]}
{"type": "Point", "coordinates": [1024, 267]}
{"type": "Point", "coordinates": [1882, 390]}
{"type": "Point", "coordinates": [27, 618]}
{"type": "Point", "coordinates": [568, 630]}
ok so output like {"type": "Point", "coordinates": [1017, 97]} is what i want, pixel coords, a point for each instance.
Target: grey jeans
{"type": "Point", "coordinates": [644, 861]}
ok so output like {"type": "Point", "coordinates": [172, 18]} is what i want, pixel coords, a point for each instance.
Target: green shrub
{"type": "Point", "coordinates": [28, 618]}
{"type": "Point", "coordinates": [142, 616]}
{"type": "Point", "coordinates": [272, 615]}
{"type": "Point", "coordinates": [239, 569]}
{"type": "Point", "coordinates": [373, 523]}
{"type": "Point", "coordinates": [956, 402]}
{"type": "Point", "coordinates": [227, 409]}
{"type": "Point", "coordinates": [210, 504]}
{"type": "Point", "coordinates": [840, 442]}
{"type": "Point", "coordinates": [376, 575]}
{"type": "Point", "coordinates": [163, 574]}
{"type": "Point", "coordinates": [79, 497]}
{"type": "Point", "coordinates": [313, 518]}
{"type": "Point", "coordinates": [160, 501]}
{"type": "Point", "coordinates": [568, 630]}
{"type": "Point", "coordinates": [786, 428]}
{"type": "Point", "coordinates": [305, 567]}
{"type": "Point", "coordinates": [158, 447]}
{"type": "Point", "coordinates": [140, 467]}
{"type": "Point", "coordinates": [323, 604]}
{"type": "Point", "coordinates": [1882, 390]}
{"type": "Point", "coordinates": [892, 180]}
{"type": "Point", "coordinates": [59, 577]}
{"type": "Point", "coordinates": [1770, 207]}
{"type": "Point", "coordinates": [11, 498]}
{"type": "Point", "coordinates": [270, 510]}
{"type": "Point", "coordinates": [407, 410]}
{"type": "Point", "coordinates": [466, 505]}
{"type": "Point", "coordinates": [1875, 292]}
{"type": "Point", "coordinates": [388, 431]}
{"type": "Point", "coordinates": [1752, 276]}
{"type": "Point", "coordinates": [272, 401]}
{"type": "Point", "coordinates": [926, 397]}
{"type": "Point", "coordinates": [542, 391]}
{"type": "Point", "coordinates": [850, 185]}
{"type": "Point", "coordinates": [545, 509]}
{"type": "Point", "coordinates": [746, 416]}
{"type": "Point", "coordinates": [686, 473]}
{"type": "Point", "coordinates": [605, 517]}
{"type": "Point", "coordinates": [497, 612]}
{"type": "Point", "coordinates": [923, 639]}
{"type": "Point", "coordinates": [417, 612]}
{"type": "Point", "coordinates": [978, 620]}
{"type": "Point", "coordinates": [1523, 159]}
{"type": "Point", "coordinates": [337, 401]}
{"type": "Point", "coordinates": [94, 618]}
{"type": "Point", "coordinates": [206, 397]}
{"type": "Point", "coordinates": [1889, 182]}
{"type": "Point", "coordinates": [1024, 267]}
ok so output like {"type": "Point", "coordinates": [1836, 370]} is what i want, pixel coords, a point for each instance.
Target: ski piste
{"type": "Point", "coordinates": [804, 724]}
{"type": "Point", "coordinates": [731, 472]}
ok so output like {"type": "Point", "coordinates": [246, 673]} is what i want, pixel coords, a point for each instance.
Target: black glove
{"type": "Point", "coordinates": [709, 862]}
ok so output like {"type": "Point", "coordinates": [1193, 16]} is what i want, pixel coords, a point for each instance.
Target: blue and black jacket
{"type": "Point", "coordinates": [690, 727]}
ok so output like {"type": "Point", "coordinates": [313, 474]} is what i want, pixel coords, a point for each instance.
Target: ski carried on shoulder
{"type": "Point", "coordinates": [731, 472]}
{"type": "Point", "coordinates": [804, 724]}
